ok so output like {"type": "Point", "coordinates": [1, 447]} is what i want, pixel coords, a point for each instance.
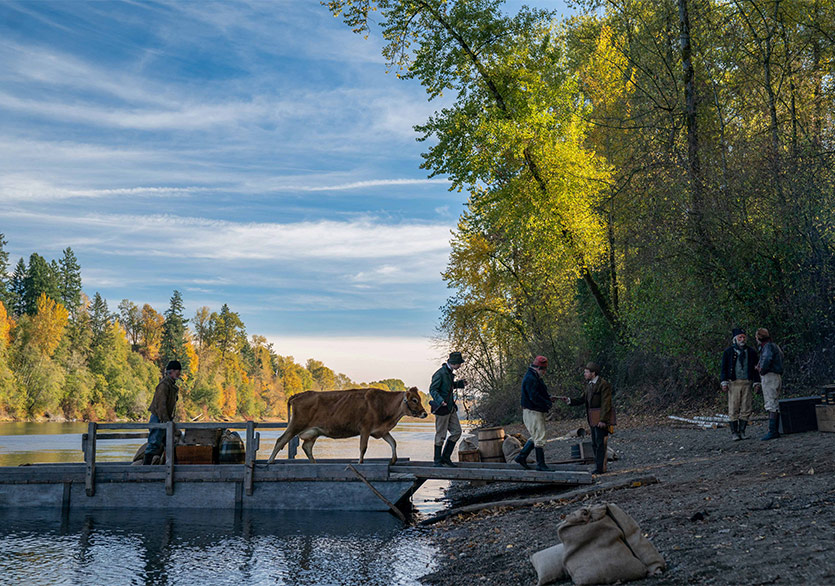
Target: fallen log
{"type": "Point", "coordinates": [571, 495]}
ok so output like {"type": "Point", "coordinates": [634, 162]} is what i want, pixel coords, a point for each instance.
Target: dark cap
{"type": "Point", "coordinates": [455, 358]}
{"type": "Point", "coordinates": [592, 366]}
{"type": "Point", "coordinates": [174, 365]}
{"type": "Point", "coordinates": [540, 362]}
{"type": "Point", "coordinates": [736, 332]}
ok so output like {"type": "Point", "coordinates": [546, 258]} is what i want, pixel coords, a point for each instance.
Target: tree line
{"type": "Point", "coordinates": [642, 177]}
{"type": "Point", "coordinates": [64, 354]}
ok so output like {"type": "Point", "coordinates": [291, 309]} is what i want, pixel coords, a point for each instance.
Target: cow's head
{"type": "Point", "coordinates": [413, 403]}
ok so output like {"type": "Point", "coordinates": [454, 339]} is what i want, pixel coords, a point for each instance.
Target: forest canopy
{"type": "Point", "coordinates": [642, 177]}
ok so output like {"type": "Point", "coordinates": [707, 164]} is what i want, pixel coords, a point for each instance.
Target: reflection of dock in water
{"type": "Point", "coordinates": [329, 484]}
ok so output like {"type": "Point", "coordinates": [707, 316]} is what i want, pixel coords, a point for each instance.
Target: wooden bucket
{"type": "Point", "coordinates": [490, 442]}
{"type": "Point", "coordinates": [469, 456]}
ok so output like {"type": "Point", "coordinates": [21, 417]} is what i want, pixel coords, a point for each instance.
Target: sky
{"type": "Point", "coordinates": [253, 153]}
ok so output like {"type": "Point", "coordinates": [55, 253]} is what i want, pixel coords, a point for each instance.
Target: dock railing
{"type": "Point", "coordinates": [251, 444]}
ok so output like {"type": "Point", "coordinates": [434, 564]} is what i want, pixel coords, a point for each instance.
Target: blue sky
{"type": "Point", "coordinates": [248, 153]}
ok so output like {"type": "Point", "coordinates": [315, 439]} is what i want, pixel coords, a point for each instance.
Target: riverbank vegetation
{"type": "Point", "coordinates": [63, 354]}
{"type": "Point", "coordinates": [642, 178]}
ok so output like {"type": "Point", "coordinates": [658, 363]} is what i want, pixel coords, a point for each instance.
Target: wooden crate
{"type": "Point", "coordinates": [469, 456]}
{"type": "Point", "coordinates": [826, 417]}
{"type": "Point", "coordinates": [798, 414]}
{"type": "Point", "coordinates": [194, 454]}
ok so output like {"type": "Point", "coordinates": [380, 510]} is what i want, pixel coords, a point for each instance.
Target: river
{"type": "Point", "coordinates": [210, 547]}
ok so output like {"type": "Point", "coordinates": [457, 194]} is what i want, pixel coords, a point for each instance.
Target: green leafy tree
{"type": "Point", "coordinates": [17, 289]}
{"type": "Point", "coordinates": [173, 344]}
{"type": "Point", "coordinates": [69, 276]}
{"type": "Point", "coordinates": [41, 278]}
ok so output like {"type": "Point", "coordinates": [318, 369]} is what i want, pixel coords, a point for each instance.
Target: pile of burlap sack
{"type": "Point", "coordinates": [600, 544]}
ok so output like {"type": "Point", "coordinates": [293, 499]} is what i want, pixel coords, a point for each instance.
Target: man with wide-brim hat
{"type": "Point", "coordinates": [600, 413]}
{"type": "Point", "coordinates": [162, 409]}
{"type": "Point", "coordinates": [738, 377]}
{"type": "Point", "coordinates": [442, 392]}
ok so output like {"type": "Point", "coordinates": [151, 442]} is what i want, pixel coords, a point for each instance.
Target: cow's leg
{"type": "Point", "coordinates": [282, 441]}
{"type": "Point", "coordinates": [390, 441]}
{"type": "Point", "coordinates": [363, 445]}
{"type": "Point", "coordinates": [309, 437]}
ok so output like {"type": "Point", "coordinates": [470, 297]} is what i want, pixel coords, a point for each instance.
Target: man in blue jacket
{"type": "Point", "coordinates": [770, 368]}
{"type": "Point", "coordinates": [536, 402]}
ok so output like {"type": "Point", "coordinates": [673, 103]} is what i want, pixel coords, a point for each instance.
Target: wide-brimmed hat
{"type": "Point", "coordinates": [455, 358]}
{"type": "Point", "coordinates": [592, 366]}
{"type": "Point", "coordinates": [174, 365]}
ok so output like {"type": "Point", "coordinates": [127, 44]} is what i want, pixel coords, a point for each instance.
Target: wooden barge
{"type": "Point", "coordinates": [254, 485]}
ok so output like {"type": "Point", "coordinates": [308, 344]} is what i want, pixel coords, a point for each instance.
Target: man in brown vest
{"type": "Point", "coordinates": [597, 398]}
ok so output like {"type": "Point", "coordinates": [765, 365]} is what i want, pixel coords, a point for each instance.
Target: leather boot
{"type": "Point", "coordinates": [446, 455]}
{"type": "Point", "coordinates": [735, 430]}
{"type": "Point", "coordinates": [773, 426]}
{"type": "Point", "coordinates": [522, 458]}
{"type": "Point", "coordinates": [438, 463]}
{"type": "Point", "coordinates": [540, 461]}
{"type": "Point", "coordinates": [742, 426]}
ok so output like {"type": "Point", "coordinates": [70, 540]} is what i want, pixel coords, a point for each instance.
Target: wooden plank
{"type": "Point", "coordinates": [497, 474]}
{"type": "Point", "coordinates": [90, 459]}
{"type": "Point", "coordinates": [249, 459]}
{"type": "Point", "coordinates": [377, 493]}
{"type": "Point", "coordinates": [170, 458]}
{"type": "Point", "coordinates": [202, 425]}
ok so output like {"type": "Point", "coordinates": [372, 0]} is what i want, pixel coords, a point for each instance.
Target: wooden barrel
{"type": "Point", "coordinates": [490, 440]}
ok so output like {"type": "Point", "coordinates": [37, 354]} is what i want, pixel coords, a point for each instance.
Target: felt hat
{"type": "Point", "coordinates": [173, 365]}
{"type": "Point", "coordinates": [592, 366]}
{"type": "Point", "coordinates": [455, 358]}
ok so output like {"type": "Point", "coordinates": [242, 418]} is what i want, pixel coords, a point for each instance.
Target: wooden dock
{"type": "Point", "coordinates": [291, 484]}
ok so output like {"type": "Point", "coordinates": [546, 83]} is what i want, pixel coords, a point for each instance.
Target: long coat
{"type": "Point", "coordinates": [442, 385]}
{"type": "Point", "coordinates": [165, 399]}
{"type": "Point", "coordinates": [597, 396]}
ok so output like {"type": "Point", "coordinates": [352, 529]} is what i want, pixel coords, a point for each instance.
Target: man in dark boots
{"type": "Point", "coordinates": [445, 410]}
{"type": "Point", "coordinates": [162, 410]}
{"type": "Point", "coordinates": [600, 413]}
{"type": "Point", "coordinates": [536, 402]}
{"type": "Point", "coordinates": [770, 368]}
{"type": "Point", "coordinates": [738, 376]}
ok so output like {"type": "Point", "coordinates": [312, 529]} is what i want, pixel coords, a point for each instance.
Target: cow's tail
{"type": "Point", "coordinates": [285, 437]}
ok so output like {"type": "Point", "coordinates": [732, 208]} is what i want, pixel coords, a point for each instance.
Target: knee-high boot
{"type": "Point", "coordinates": [522, 458]}
{"type": "Point", "coordinates": [446, 455]}
{"type": "Point", "coordinates": [540, 461]}
{"type": "Point", "coordinates": [438, 463]}
{"type": "Point", "coordinates": [773, 426]}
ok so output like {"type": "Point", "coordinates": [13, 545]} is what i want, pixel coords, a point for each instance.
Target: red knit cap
{"type": "Point", "coordinates": [540, 362]}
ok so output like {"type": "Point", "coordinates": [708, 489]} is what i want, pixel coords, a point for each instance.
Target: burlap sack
{"type": "Point", "coordinates": [641, 547]}
{"type": "Point", "coordinates": [595, 549]}
{"type": "Point", "coordinates": [511, 448]}
{"type": "Point", "coordinates": [468, 443]}
{"type": "Point", "coordinates": [548, 564]}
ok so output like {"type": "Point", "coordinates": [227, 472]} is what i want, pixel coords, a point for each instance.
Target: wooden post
{"type": "Point", "coordinates": [249, 462]}
{"type": "Point", "coordinates": [169, 458]}
{"type": "Point", "coordinates": [391, 505]}
{"type": "Point", "coordinates": [90, 459]}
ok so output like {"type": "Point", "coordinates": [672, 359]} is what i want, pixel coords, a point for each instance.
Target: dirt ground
{"type": "Point", "coordinates": [723, 512]}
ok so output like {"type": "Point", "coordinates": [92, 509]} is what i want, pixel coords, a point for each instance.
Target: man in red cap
{"type": "Point", "coordinates": [536, 402]}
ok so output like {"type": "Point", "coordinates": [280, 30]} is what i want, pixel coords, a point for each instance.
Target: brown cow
{"type": "Point", "coordinates": [340, 414]}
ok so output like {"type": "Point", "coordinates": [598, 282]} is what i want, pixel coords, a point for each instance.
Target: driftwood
{"type": "Point", "coordinates": [566, 496]}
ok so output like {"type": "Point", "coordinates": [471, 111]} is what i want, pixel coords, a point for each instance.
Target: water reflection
{"type": "Point", "coordinates": [223, 547]}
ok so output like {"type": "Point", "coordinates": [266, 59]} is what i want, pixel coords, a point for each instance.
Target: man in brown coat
{"type": "Point", "coordinates": [162, 409]}
{"type": "Point", "coordinates": [597, 398]}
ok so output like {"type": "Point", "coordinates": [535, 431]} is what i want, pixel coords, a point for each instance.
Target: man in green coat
{"type": "Point", "coordinates": [445, 410]}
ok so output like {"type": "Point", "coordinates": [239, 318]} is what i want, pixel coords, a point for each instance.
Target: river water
{"type": "Point", "coordinates": [210, 547]}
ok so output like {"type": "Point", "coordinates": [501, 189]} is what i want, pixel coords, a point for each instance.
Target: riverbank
{"type": "Point", "coordinates": [722, 512]}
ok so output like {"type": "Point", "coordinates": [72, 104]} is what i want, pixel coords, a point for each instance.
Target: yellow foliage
{"type": "Point", "coordinates": [6, 325]}
{"type": "Point", "coordinates": [48, 325]}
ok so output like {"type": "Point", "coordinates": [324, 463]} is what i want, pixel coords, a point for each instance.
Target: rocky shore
{"type": "Point", "coordinates": [721, 512]}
